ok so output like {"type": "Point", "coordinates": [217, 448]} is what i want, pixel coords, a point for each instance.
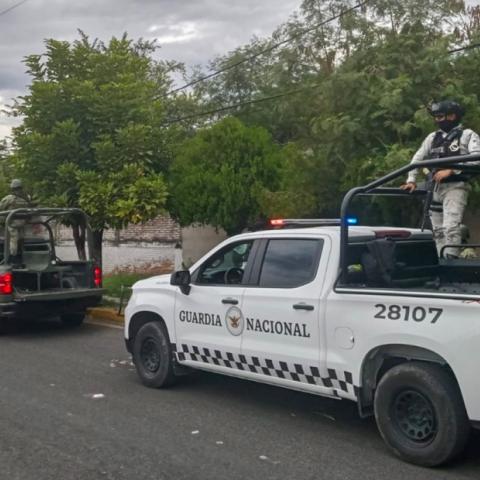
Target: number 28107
{"type": "Point", "coordinates": [406, 313]}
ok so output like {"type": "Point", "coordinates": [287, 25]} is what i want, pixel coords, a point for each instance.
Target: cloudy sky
{"type": "Point", "coordinates": [190, 31]}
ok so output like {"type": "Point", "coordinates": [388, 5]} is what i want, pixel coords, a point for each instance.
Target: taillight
{"type": "Point", "coordinates": [392, 234]}
{"type": "Point", "coordinates": [6, 287]}
{"type": "Point", "coordinates": [97, 276]}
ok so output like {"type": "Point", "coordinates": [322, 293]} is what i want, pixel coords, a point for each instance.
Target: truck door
{"type": "Point", "coordinates": [208, 322]}
{"type": "Point", "coordinates": [283, 335]}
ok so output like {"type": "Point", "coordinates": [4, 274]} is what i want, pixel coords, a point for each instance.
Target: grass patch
{"type": "Point", "coordinates": [113, 283]}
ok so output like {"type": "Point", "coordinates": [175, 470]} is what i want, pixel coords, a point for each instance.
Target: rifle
{"type": "Point", "coordinates": [431, 187]}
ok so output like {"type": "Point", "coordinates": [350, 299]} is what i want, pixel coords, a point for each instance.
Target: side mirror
{"type": "Point", "coordinates": [182, 279]}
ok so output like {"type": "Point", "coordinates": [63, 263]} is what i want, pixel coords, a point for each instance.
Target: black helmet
{"type": "Point", "coordinates": [445, 107]}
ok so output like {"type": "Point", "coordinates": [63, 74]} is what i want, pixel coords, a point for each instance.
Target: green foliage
{"type": "Point", "coordinates": [294, 196]}
{"type": "Point", "coordinates": [367, 81]}
{"type": "Point", "coordinates": [219, 175]}
{"type": "Point", "coordinates": [113, 283]}
{"type": "Point", "coordinates": [93, 132]}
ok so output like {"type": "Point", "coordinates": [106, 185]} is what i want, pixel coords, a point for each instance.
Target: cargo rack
{"type": "Point", "coordinates": [8, 216]}
{"type": "Point", "coordinates": [459, 162]}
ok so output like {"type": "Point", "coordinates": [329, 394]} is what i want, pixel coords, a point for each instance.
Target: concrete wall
{"type": "Point", "coordinates": [147, 246]}
{"type": "Point", "coordinates": [198, 240]}
{"type": "Point", "coordinates": [147, 257]}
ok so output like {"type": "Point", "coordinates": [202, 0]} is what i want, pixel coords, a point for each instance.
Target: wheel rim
{"type": "Point", "coordinates": [415, 416]}
{"type": "Point", "coordinates": [150, 355]}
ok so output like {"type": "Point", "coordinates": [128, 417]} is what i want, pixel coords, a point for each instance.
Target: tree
{"type": "Point", "coordinates": [368, 78]}
{"type": "Point", "coordinates": [5, 166]}
{"type": "Point", "coordinates": [93, 133]}
{"type": "Point", "coordinates": [219, 176]}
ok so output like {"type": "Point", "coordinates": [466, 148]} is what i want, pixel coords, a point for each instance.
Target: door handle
{"type": "Point", "coordinates": [230, 301]}
{"type": "Point", "coordinates": [303, 306]}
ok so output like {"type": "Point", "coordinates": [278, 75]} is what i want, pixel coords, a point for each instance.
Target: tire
{"type": "Point", "coordinates": [3, 326]}
{"type": "Point", "coordinates": [420, 414]}
{"type": "Point", "coordinates": [69, 282]}
{"type": "Point", "coordinates": [72, 319]}
{"type": "Point", "coordinates": [152, 356]}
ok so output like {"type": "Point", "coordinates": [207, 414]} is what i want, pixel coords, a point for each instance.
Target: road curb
{"type": "Point", "coordinates": [105, 313]}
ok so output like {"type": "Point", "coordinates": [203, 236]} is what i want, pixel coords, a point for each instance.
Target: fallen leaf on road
{"type": "Point", "coordinates": [94, 395]}
{"type": "Point", "coordinates": [121, 363]}
{"type": "Point", "coordinates": [325, 416]}
{"type": "Point", "coordinates": [269, 460]}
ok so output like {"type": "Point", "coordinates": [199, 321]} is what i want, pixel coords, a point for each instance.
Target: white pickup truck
{"type": "Point", "coordinates": [395, 328]}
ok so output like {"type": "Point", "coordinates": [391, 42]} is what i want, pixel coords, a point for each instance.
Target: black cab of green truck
{"type": "Point", "coordinates": [37, 281]}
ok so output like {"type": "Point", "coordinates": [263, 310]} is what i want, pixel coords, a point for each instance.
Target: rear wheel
{"type": "Point", "coordinates": [420, 413]}
{"type": "Point", "coordinates": [3, 326]}
{"type": "Point", "coordinates": [72, 319]}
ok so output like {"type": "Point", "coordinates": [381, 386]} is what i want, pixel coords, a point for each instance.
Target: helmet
{"type": "Point", "coordinates": [445, 107]}
{"type": "Point", "coordinates": [464, 232]}
{"type": "Point", "coordinates": [16, 183]}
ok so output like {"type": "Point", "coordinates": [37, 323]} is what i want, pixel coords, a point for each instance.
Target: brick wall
{"type": "Point", "coordinates": [161, 229]}
{"type": "Point", "coordinates": [150, 257]}
{"type": "Point", "coordinates": [143, 247]}
{"type": "Point", "coordinates": [147, 246]}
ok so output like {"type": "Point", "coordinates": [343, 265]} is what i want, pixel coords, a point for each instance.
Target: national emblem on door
{"type": "Point", "coordinates": [234, 321]}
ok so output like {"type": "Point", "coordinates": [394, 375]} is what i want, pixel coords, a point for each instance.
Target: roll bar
{"type": "Point", "coordinates": [459, 162]}
{"type": "Point", "coordinates": [26, 213]}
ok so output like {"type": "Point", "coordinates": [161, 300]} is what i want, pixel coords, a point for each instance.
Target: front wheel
{"type": "Point", "coordinates": [420, 414]}
{"type": "Point", "coordinates": [152, 356]}
{"type": "Point", "coordinates": [72, 319]}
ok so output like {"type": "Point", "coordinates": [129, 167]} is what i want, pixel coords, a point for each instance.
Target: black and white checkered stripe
{"type": "Point", "coordinates": [341, 381]}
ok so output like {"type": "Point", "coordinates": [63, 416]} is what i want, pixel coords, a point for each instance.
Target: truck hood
{"type": "Point", "coordinates": [157, 280]}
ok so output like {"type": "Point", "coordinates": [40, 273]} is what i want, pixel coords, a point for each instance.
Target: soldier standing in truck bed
{"type": "Point", "coordinates": [451, 186]}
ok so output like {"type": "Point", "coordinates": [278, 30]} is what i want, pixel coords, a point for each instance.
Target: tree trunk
{"type": "Point", "coordinates": [79, 238]}
{"type": "Point", "coordinates": [97, 246]}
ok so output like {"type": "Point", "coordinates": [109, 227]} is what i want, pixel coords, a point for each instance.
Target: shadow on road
{"type": "Point", "coordinates": [50, 327]}
{"type": "Point", "coordinates": [341, 416]}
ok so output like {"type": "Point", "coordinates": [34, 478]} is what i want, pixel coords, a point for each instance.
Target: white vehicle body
{"type": "Point", "coordinates": [334, 344]}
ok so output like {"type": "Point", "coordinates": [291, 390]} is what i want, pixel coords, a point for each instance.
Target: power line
{"type": "Point", "coordinates": [467, 47]}
{"type": "Point", "coordinates": [9, 9]}
{"type": "Point", "coordinates": [268, 49]}
{"type": "Point", "coordinates": [241, 104]}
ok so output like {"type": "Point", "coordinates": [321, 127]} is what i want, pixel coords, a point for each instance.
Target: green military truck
{"type": "Point", "coordinates": [35, 282]}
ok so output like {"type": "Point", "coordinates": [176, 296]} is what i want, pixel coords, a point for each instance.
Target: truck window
{"type": "Point", "coordinates": [290, 263]}
{"type": "Point", "coordinates": [406, 264]}
{"type": "Point", "coordinates": [226, 266]}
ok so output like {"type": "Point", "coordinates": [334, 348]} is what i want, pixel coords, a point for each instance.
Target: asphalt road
{"type": "Point", "coordinates": [71, 407]}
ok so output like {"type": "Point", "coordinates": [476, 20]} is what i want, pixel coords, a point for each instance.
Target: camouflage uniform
{"type": "Point", "coordinates": [468, 253]}
{"type": "Point", "coordinates": [450, 196]}
{"type": "Point", "coordinates": [16, 228]}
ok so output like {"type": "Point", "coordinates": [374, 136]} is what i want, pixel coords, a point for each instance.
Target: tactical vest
{"type": "Point", "coordinates": [448, 146]}
{"type": "Point", "coordinates": [16, 201]}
